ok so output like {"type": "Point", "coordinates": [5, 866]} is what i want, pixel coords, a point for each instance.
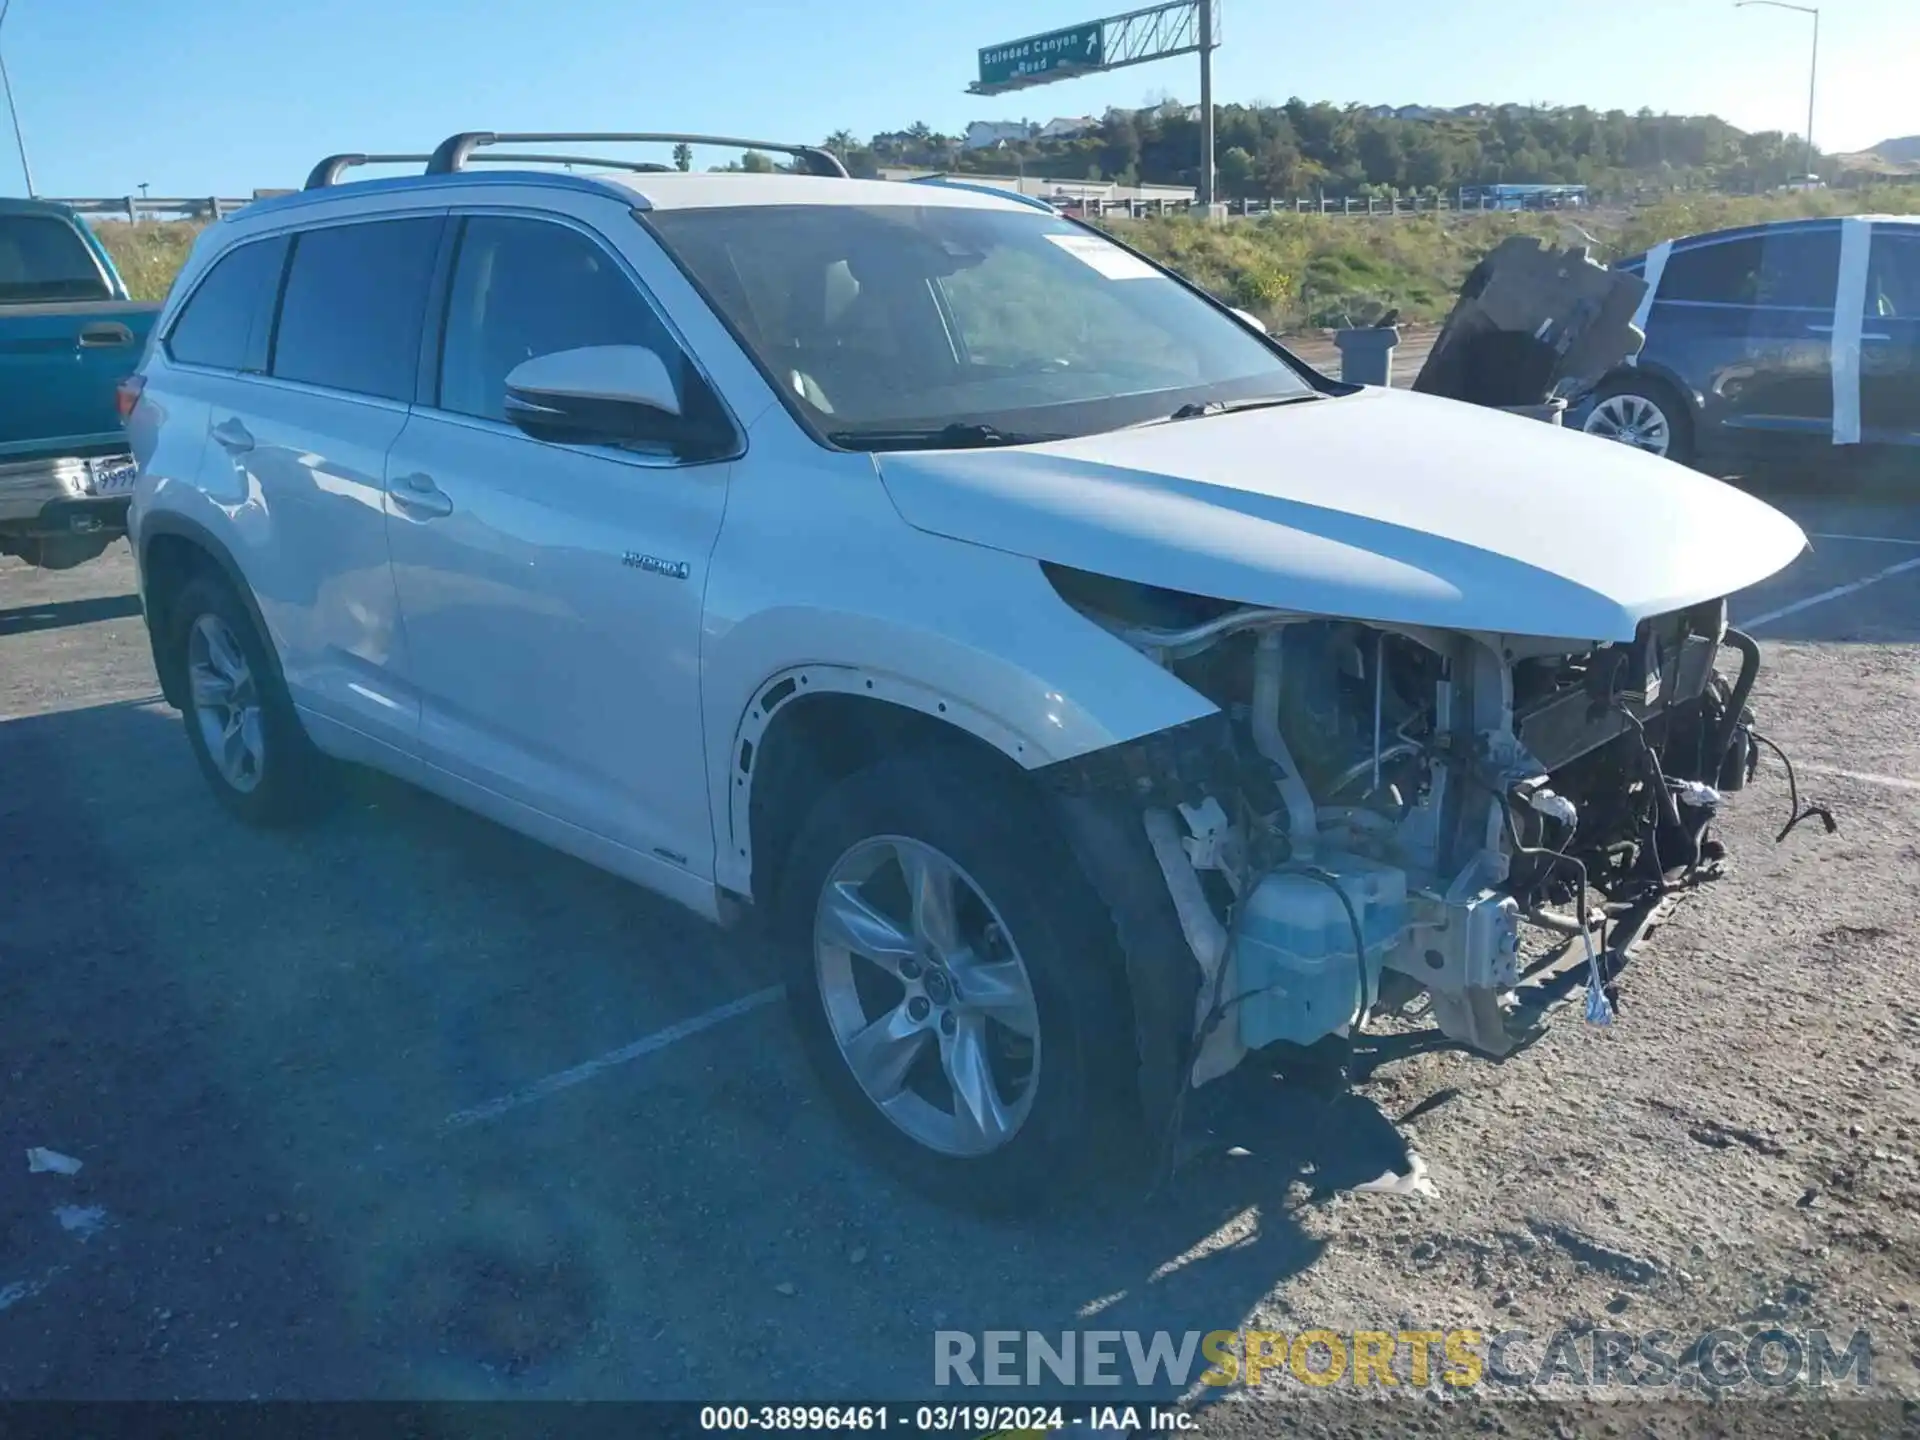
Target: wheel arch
{"type": "Point", "coordinates": [173, 548]}
{"type": "Point", "coordinates": [811, 725]}
{"type": "Point", "coordinates": [1659, 375]}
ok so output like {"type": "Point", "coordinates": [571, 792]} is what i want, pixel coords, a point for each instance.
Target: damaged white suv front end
{"type": "Point", "coordinates": [1328, 690]}
{"type": "Point", "coordinates": [1466, 671]}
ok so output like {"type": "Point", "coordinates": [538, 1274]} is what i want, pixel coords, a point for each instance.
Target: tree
{"type": "Point", "coordinates": [683, 156]}
{"type": "Point", "coordinates": [757, 163]}
{"type": "Point", "coordinates": [1277, 167]}
{"type": "Point", "coordinates": [842, 143]}
{"type": "Point", "coordinates": [1380, 153]}
{"type": "Point", "coordinates": [1120, 145]}
{"type": "Point", "coordinates": [1234, 172]}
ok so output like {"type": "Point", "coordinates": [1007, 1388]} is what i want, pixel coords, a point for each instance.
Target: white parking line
{"type": "Point", "coordinates": [1864, 539]}
{"type": "Point", "coordinates": [1797, 606]}
{"type": "Point", "coordinates": [1894, 781]}
{"type": "Point", "coordinates": [647, 1045]}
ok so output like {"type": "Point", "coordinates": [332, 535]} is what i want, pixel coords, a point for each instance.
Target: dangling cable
{"type": "Point", "coordinates": [1796, 813]}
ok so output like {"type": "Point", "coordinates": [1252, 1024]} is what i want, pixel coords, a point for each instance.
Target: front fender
{"type": "Point", "coordinates": [1016, 667]}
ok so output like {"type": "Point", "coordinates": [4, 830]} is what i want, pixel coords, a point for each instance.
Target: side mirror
{"type": "Point", "coordinates": [601, 394]}
{"type": "Point", "coordinates": [1251, 321]}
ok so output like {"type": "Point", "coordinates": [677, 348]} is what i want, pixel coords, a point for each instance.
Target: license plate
{"type": "Point", "coordinates": [116, 478]}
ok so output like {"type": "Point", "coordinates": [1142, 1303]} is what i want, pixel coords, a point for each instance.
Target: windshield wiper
{"type": "Point", "coordinates": [1194, 409]}
{"type": "Point", "coordinates": [960, 435]}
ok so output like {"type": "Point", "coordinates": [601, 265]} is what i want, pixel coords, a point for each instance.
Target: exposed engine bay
{"type": "Point", "coordinates": [1379, 808]}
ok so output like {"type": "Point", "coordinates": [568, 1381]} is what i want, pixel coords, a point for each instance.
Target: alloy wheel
{"type": "Point", "coordinates": [1632, 420]}
{"type": "Point", "coordinates": [226, 703]}
{"type": "Point", "coordinates": [926, 996]}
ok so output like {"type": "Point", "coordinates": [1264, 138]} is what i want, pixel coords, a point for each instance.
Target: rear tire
{"type": "Point", "coordinates": [1644, 413]}
{"type": "Point", "coordinates": [935, 1004]}
{"type": "Point", "coordinates": [241, 724]}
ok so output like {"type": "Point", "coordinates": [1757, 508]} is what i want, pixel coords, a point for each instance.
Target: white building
{"type": "Point", "coordinates": [1065, 127]}
{"type": "Point", "coordinates": [985, 134]}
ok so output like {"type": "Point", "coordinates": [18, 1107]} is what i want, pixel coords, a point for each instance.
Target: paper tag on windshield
{"type": "Point", "coordinates": [1110, 260]}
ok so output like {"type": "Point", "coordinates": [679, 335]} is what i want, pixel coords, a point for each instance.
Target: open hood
{"type": "Point", "coordinates": [1380, 505]}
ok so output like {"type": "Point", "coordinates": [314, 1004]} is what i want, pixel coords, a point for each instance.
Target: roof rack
{"type": "Point", "coordinates": [329, 170]}
{"type": "Point", "coordinates": [456, 150]}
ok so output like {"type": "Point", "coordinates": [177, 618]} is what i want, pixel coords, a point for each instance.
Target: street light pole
{"type": "Point", "coordinates": [1813, 67]}
{"type": "Point", "coordinates": [19, 140]}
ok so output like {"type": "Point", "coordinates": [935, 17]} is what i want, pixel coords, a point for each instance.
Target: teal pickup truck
{"type": "Point", "coordinates": [68, 336]}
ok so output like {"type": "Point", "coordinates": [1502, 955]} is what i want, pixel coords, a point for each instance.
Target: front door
{"type": "Point", "coordinates": [1890, 338]}
{"type": "Point", "coordinates": [552, 593]}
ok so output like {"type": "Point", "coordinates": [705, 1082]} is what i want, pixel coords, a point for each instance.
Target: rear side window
{"type": "Point", "coordinates": [350, 318]}
{"type": "Point", "coordinates": [225, 322]}
{"type": "Point", "coordinates": [42, 259]}
{"type": "Point", "coordinates": [1794, 268]}
{"type": "Point", "coordinates": [1724, 273]}
{"type": "Point", "coordinates": [1800, 268]}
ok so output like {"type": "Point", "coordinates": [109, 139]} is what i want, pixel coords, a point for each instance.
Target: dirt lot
{"type": "Point", "coordinates": [278, 1058]}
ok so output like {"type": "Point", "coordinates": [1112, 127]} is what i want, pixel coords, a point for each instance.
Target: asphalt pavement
{"type": "Point", "coordinates": [405, 1105]}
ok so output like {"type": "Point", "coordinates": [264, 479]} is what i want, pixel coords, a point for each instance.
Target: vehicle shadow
{"type": "Point", "coordinates": [58, 614]}
{"type": "Point", "coordinates": [305, 1011]}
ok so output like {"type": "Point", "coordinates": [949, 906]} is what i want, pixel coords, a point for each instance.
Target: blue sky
{"type": "Point", "coordinates": [222, 96]}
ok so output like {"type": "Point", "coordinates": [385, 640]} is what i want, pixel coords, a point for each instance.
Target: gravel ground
{"type": "Point", "coordinates": [254, 1043]}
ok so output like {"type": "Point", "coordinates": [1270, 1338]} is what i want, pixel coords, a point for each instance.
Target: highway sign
{"type": "Point", "coordinates": [1078, 47]}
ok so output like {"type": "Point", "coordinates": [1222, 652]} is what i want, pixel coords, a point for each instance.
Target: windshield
{"type": "Point", "coordinates": [896, 324]}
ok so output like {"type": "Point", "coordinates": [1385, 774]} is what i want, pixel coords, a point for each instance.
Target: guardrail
{"type": "Point", "coordinates": [135, 208]}
{"type": "Point", "coordinates": [1357, 206]}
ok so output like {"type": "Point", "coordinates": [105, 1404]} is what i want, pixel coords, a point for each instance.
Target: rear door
{"type": "Point", "coordinates": [218, 335]}
{"type": "Point", "coordinates": [1748, 320]}
{"type": "Point", "coordinates": [65, 340]}
{"type": "Point", "coordinates": [303, 448]}
{"type": "Point", "coordinates": [1890, 338]}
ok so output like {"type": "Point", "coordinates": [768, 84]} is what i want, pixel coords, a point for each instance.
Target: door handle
{"type": "Point", "coordinates": [103, 334]}
{"type": "Point", "coordinates": [417, 494]}
{"type": "Point", "coordinates": [1864, 334]}
{"type": "Point", "coordinates": [233, 436]}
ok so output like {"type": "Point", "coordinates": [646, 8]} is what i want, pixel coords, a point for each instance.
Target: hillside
{"type": "Point", "coordinates": [1903, 151]}
{"type": "Point", "coordinates": [1301, 148]}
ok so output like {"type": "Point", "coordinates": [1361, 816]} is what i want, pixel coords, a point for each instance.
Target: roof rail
{"type": "Point", "coordinates": [456, 150]}
{"type": "Point", "coordinates": [327, 172]}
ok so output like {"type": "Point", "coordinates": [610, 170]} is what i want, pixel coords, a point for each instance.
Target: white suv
{"type": "Point", "coordinates": [1089, 691]}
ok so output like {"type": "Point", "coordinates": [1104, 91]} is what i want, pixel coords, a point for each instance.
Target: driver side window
{"type": "Point", "coordinates": [523, 288]}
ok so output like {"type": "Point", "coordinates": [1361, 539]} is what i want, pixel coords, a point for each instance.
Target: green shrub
{"type": "Point", "coordinates": [150, 254]}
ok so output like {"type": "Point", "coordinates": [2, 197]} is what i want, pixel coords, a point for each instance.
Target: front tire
{"type": "Point", "coordinates": [1645, 414]}
{"type": "Point", "coordinates": [955, 984]}
{"type": "Point", "coordinates": [240, 722]}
